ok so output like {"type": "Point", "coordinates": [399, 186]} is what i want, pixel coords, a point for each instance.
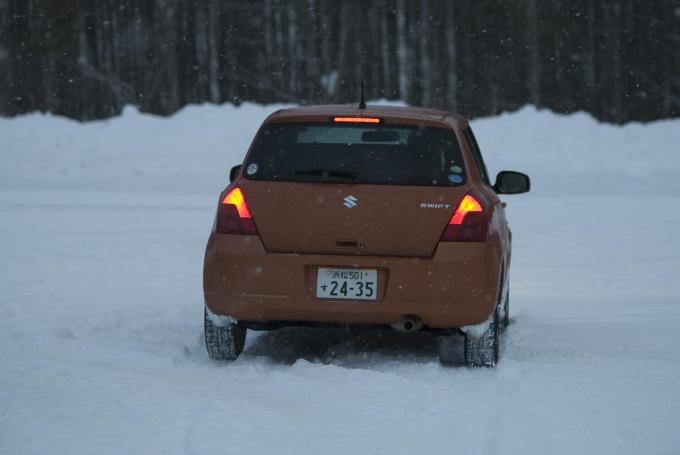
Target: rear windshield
{"type": "Point", "coordinates": [369, 154]}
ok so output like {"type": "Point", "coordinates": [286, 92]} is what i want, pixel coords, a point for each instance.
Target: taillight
{"type": "Point", "coordinates": [468, 223]}
{"type": "Point", "coordinates": [233, 214]}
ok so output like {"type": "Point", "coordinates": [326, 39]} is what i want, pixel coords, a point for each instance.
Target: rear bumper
{"type": "Point", "coordinates": [457, 286]}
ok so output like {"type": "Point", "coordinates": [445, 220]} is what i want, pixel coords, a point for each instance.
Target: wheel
{"type": "Point", "coordinates": [223, 342]}
{"type": "Point", "coordinates": [482, 351]}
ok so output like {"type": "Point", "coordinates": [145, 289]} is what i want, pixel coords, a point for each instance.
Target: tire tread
{"type": "Point", "coordinates": [223, 343]}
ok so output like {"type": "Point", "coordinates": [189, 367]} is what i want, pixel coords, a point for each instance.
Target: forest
{"type": "Point", "coordinates": [87, 59]}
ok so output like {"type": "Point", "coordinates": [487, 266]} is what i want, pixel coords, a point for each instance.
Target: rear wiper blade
{"type": "Point", "coordinates": [329, 173]}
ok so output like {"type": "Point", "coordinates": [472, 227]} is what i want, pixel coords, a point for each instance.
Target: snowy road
{"type": "Point", "coordinates": [100, 311]}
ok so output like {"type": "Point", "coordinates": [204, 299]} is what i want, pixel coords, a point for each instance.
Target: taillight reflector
{"type": "Point", "coordinates": [356, 120]}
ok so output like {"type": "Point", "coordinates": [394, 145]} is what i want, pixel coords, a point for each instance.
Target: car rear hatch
{"type": "Point", "coordinates": [350, 219]}
{"type": "Point", "coordinates": [383, 190]}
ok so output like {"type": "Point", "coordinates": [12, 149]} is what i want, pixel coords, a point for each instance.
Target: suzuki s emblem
{"type": "Point", "coordinates": [350, 202]}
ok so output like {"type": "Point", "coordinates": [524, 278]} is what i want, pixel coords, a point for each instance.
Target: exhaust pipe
{"type": "Point", "coordinates": [408, 324]}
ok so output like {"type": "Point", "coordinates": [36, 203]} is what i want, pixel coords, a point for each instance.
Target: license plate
{"type": "Point", "coordinates": [350, 284]}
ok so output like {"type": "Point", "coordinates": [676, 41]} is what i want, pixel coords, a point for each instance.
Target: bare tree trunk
{"type": "Point", "coordinates": [171, 72]}
{"type": "Point", "coordinates": [329, 50]}
{"type": "Point", "coordinates": [293, 50]}
{"type": "Point", "coordinates": [312, 73]}
{"type": "Point", "coordinates": [268, 35]}
{"type": "Point", "coordinates": [425, 64]}
{"type": "Point", "coordinates": [672, 34]}
{"type": "Point", "coordinates": [402, 52]}
{"type": "Point", "coordinates": [385, 49]}
{"type": "Point", "coordinates": [213, 61]}
{"type": "Point", "coordinates": [616, 62]}
{"type": "Point", "coordinates": [278, 49]}
{"type": "Point", "coordinates": [201, 37]}
{"type": "Point", "coordinates": [343, 52]}
{"type": "Point", "coordinates": [590, 56]}
{"type": "Point", "coordinates": [534, 55]}
{"type": "Point", "coordinates": [451, 76]}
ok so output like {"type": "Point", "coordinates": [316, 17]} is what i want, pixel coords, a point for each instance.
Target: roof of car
{"type": "Point", "coordinates": [390, 114]}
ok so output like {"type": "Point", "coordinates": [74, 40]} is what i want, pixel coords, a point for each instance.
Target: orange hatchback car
{"type": "Point", "coordinates": [377, 216]}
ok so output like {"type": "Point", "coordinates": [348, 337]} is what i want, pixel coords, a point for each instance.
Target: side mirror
{"type": "Point", "coordinates": [511, 182]}
{"type": "Point", "coordinates": [234, 172]}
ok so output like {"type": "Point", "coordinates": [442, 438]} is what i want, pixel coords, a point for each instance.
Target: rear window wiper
{"type": "Point", "coordinates": [326, 173]}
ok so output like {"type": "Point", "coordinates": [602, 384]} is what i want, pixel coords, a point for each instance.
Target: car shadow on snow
{"type": "Point", "coordinates": [355, 347]}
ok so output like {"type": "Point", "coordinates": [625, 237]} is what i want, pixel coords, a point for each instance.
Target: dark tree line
{"type": "Point", "coordinates": [618, 59]}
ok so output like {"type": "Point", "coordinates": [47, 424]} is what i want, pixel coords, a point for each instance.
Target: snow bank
{"type": "Point", "coordinates": [542, 142]}
{"type": "Point", "coordinates": [194, 149]}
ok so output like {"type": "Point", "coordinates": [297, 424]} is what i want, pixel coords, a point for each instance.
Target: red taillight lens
{"type": "Point", "coordinates": [468, 223]}
{"type": "Point", "coordinates": [233, 214]}
{"type": "Point", "coordinates": [235, 198]}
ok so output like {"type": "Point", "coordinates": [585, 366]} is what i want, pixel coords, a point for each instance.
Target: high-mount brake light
{"type": "Point", "coordinates": [233, 214]}
{"type": "Point", "coordinates": [468, 223]}
{"type": "Point", "coordinates": [356, 120]}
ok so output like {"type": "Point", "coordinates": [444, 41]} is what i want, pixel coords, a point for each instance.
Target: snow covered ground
{"type": "Point", "coordinates": [102, 231]}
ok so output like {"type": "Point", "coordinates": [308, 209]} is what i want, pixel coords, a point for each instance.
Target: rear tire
{"type": "Point", "coordinates": [223, 342]}
{"type": "Point", "coordinates": [484, 351]}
